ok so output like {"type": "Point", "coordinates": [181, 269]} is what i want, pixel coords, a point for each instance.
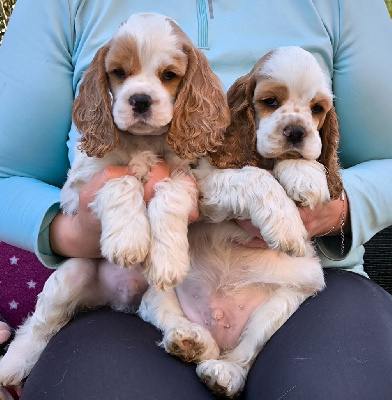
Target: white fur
{"type": "Point", "coordinates": [252, 193]}
{"type": "Point", "coordinates": [303, 180]}
{"type": "Point", "coordinates": [168, 212]}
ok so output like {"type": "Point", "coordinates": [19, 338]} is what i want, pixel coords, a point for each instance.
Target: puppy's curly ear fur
{"type": "Point", "coordinates": [239, 147]}
{"type": "Point", "coordinates": [92, 109]}
{"type": "Point", "coordinates": [329, 134]}
{"type": "Point", "coordinates": [200, 114]}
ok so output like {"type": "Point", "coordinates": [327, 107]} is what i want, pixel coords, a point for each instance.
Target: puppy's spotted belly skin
{"type": "Point", "coordinates": [224, 315]}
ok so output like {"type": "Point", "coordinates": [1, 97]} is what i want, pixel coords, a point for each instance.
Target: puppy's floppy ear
{"type": "Point", "coordinates": [239, 147]}
{"type": "Point", "coordinates": [329, 134]}
{"type": "Point", "coordinates": [92, 109]}
{"type": "Point", "coordinates": [200, 114]}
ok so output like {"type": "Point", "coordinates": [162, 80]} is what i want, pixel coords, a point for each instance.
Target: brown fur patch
{"type": "Point", "coordinates": [326, 104]}
{"type": "Point", "coordinates": [329, 134]}
{"type": "Point", "coordinates": [122, 55]}
{"type": "Point", "coordinates": [179, 68]}
{"type": "Point", "coordinates": [92, 111]}
{"type": "Point", "coordinates": [267, 89]}
{"type": "Point", "coordinates": [200, 114]}
{"type": "Point", "coordinates": [239, 146]}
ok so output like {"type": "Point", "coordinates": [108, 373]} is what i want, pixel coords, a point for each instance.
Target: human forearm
{"type": "Point", "coordinates": [27, 207]}
{"type": "Point", "coordinates": [369, 189]}
{"type": "Point", "coordinates": [79, 235]}
{"type": "Point", "coordinates": [328, 219]}
{"type": "Point", "coordinates": [69, 238]}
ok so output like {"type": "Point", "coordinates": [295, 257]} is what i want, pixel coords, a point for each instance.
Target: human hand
{"type": "Point", "coordinates": [5, 332]}
{"type": "Point", "coordinates": [323, 220]}
{"type": "Point", "coordinates": [327, 219]}
{"type": "Point", "coordinates": [257, 240]}
{"type": "Point", "coordinates": [160, 172]}
{"type": "Point", "coordinates": [79, 235]}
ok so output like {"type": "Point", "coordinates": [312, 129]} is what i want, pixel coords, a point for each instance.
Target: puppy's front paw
{"type": "Point", "coordinates": [191, 343]}
{"type": "Point", "coordinates": [282, 228]}
{"type": "Point", "coordinates": [168, 261]}
{"type": "Point", "coordinates": [222, 377]}
{"type": "Point", "coordinates": [167, 265]}
{"type": "Point", "coordinates": [119, 205]}
{"type": "Point", "coordinates": [126, 247]}
{"type": "Point", "coordinates": [293, 241]}
{"type": "Point", "coordinates": [304, 181]}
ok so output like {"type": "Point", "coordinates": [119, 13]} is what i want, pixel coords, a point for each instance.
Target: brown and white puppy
{"type": "Point", "coordinates": [235, 298]}
{"type": "Point", "coordinates": [148, 94]}
{"type": "Point", "coordinates": [283, 110]}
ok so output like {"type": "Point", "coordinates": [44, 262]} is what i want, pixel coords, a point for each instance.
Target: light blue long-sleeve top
{"type": "Point", "coordinates": [49, 44]}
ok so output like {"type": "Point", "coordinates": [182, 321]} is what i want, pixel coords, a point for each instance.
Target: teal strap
{"type": "Point", "coordinates": [202, 22]}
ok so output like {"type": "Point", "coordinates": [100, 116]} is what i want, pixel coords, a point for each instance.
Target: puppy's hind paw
{"type": "Point", "coordinates": [222, 377]}
{"type": "Point", "coordinates": [13, 373]}
{"type": "Point", "coordinates": [191, 343]}
{"type": "Point", "coordinates": [5, 394]}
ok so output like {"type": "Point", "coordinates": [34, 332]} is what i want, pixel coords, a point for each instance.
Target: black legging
{"type": "Point", "coordinates": [338, 345]}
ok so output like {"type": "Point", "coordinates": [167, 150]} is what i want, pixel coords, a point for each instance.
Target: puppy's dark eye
{"type": "Point", "coordinates": [270, 102]}
{"type": "Point", "coordinates": [168, 75]}
{"type": "Point", "coordinates": [317, 109]}
{"type": "Point", "coordinates": [120, 73]}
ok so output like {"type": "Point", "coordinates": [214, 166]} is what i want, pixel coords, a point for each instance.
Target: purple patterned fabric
{"type": "Point", "coordinates": [22, 277]}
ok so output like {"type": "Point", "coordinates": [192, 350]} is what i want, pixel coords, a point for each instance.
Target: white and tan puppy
{"type": "Point", "coordinates": [148, 94]}
{"type": "Point", "coordinates": [235, 298]}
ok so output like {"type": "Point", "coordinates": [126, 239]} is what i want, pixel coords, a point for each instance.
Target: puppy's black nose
{"type": "Point", "coordinates": [294, 133]}
{"type": "Point", "coordinates": [140, 103]}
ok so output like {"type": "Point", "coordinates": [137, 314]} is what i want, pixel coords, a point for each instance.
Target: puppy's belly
{"type": "Point", "coordinates": [122, 287]}
{"type": "Point", "coordinates": [224, 315]}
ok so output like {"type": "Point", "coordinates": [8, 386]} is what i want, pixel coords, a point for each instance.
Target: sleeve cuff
{"type": "Point", "coordinates": [43, 250]}
{"type": "Point", "coordinates": [331, 246]}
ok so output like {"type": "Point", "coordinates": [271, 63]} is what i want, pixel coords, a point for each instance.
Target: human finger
{"type": "Point", "coordinates": [194, 214]}
{"type": "Point", "coordinates": [257, 241]}
{"type": "Point", "coordinates": [87, 195]}
{"type": "Point", "coordinates": [246, 225]}
{"type": "Point", "coordinates": [158, 172]}
{"type": "Point", "coordinates": [162, 171]}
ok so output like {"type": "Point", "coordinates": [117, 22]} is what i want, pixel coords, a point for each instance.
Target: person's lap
{"type": "Point", "coordinates": [338, 345]}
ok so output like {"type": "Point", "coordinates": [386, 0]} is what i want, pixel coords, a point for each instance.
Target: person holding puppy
{"type": "Point", "coordinates": [331, 346]}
